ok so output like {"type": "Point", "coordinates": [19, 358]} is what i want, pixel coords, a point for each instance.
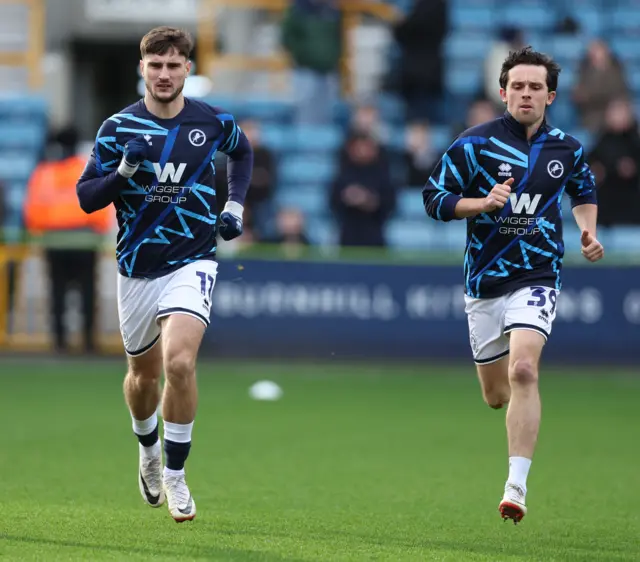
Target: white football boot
{"type": "Point", "coordinates": [182, 507]}
{"type": "Point", "coordinates": [150, 478]}
{"type": "Point", "coordinates": [513, 505]}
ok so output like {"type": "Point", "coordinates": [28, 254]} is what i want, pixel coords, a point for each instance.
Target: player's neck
{"type": "Point", "coordinates": [531, 130]}
{"type": "Point", "coordinates": [164, 110]}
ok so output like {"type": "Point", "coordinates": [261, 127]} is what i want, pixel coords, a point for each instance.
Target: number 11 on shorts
{"type": "Point", "coordinates": [203, 284]}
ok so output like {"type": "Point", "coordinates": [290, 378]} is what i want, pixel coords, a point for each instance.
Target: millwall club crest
{"type": "Point", "coordinates": [555, 169]}
{"type": "Point", "coordinates": [197, 137]}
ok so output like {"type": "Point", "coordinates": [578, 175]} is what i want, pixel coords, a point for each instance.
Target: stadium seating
{"type": "Point", "coordinates": [23, 122]}
{"type": "Point", "coordinates": [306, 154]}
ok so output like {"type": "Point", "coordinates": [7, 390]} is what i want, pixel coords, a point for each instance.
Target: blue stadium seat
{"type": "Point", "coordinates": [566, 48]}
{"type": "Point", "coordinates": [274, 137]}
{"type": "Point", "coordinates": [410, 203]}
{"type": "Point", "coordinates": [624, 238]}
{"type": "Point", "coordinates": [16, 166]}
{"type": "Point", "coordinates": [627, 48]}
{"type": "Point", "coordinates": [441, 137]}
{"type": "Point", "coordinates": [391, 108]}
{"type": "Point", "coordinates": [465, 46]}
{"type": "Point", "coordinates": [321, 231]}
{"type": "Point", "coordinates": [308, 200]}
{"type": "Point", "coordinates": [590, 19]}
{"type": "Point", "coordinates": [471, 17]}
{"type": "Point", "coordinates": [463, 79]}
{"type": "Point", "coordinates": [625, 20]}
{"type": "Point", "coordinates": [28, 135]}
{"type": "Point", "coordinates": [299, 170]}
{"type": "Point", "coordinates": [460, 4]}
{"type": "Point", "coordinates": [317, 138]}
{"type": "Point", "coordinates": [22, 108]}
{"type": "Point", "coordinates": [417, 234]}
{"type": "Point", "coordinates": [452, 236]}
{"type": "Point", "coordinates": [266, 109]}
{"type": "Point", "coordinates": [633, 77]}
{"type": "Point", "coordinates": [585, 137]}
{"type": "Point", "coordinates": [531, 16]}
{"type": "Point", "coordinates": [571, 235]}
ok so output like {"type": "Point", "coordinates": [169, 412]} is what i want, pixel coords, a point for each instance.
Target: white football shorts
{"type": "Point", "coordinates": [142, 302]}
{"type": "Point", "coordinates": [491, 320]}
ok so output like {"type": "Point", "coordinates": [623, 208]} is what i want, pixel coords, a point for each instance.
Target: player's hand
{"type": "Point", "coordinates": [135, 152]}
{"type": "Point", "coordinates": [231, 221]}
{"type": "Point", "coordinates": [498, 196]}
{"type": "Point", "coordinates": [591, 248]}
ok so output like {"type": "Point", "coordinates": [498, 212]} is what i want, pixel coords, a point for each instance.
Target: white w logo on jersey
{"type": "Point", "coordinates": [524, 203]}
{"type": "Point", "coordinates": [169, 171]}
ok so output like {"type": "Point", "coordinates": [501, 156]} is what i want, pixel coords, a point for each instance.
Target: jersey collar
{"type": "Point", "coordinates": [516, 127]}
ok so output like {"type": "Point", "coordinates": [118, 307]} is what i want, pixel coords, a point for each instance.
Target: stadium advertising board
{"type": "Point", "coordinates": [309, 309]}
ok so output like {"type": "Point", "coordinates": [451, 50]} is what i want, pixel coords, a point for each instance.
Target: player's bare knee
{"type": "Point", "coordinates": [179, 367]}
{"type": "Point", "coordinates": [523, 372]}
{"type": "Point", "coordinates": [144, 375]}
{"type": "Point", "coordinates": [496, 398]}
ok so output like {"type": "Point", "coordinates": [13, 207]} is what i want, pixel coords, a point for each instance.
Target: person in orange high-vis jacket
{"type": "Point", "coordinates": [70, 236]}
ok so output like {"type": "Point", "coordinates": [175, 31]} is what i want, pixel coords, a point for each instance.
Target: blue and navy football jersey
{"type": "Point", "coordinates": [521, 244]}
{"type": "Point", "coordinates": [167, 210]}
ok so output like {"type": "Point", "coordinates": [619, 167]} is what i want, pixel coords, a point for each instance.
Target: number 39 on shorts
{"type": "Point", "coordinates": [540, 296]}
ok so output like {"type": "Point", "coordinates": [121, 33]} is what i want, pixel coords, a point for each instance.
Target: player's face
{"type": "Point", "coordinates": [164, 75]}
{"type": "Point", "coordinates": [527, 95]}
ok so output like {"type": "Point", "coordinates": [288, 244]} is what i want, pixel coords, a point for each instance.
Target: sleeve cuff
{"type": "Point", "coordinates": [446, 210]}
{"type": "Point", "coordinates": [590, 199]}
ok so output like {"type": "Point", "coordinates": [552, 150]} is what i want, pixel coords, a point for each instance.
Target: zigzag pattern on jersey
{"type": "Point", "coordinates": [160, 232]}
{"type": "Point", "coordinates": [159, 236]}
{"type": "Point", "coordinates": [501, 267]}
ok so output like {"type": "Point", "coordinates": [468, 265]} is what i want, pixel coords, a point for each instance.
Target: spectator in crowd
{"type": "Point", "coordinates": [291, 233]}
{"type": "Point", "coordinates": [480, 111]}
{"type": "Point", "coordinates": [601, 78]}
{"type": "Point", "coordinates": [312, 36]}
{"type": "Point", "coordinates": [263, 179]}
{"type": "Point", "coordinates": [509, 38]}
{"type": "Point", "coordinates": [366, 119]}
{"type": "Point", "coordinates": [615, 161]}
{"type": "Point", "coordinates": [71, 238]}
{"type": "Point", "coordinates": [362, 195]}
{"type": "Point", "coordinates": [420, 157]}
{"type": "Point", "coordinates": [420, 35]}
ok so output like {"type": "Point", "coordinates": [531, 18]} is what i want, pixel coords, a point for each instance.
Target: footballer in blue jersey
{"type": "Point", "coordinates": [154, 162]}
{"type": "Point", "coordinates": [507, 178]}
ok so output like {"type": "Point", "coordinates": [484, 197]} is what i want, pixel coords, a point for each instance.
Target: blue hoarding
{"type": "Point", "coordinates": [281, 309]}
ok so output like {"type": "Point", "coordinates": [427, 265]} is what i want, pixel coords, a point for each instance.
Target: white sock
{"type": "Point", "coordinates": [169, 472]}
{"type": "Point", "coordinates": [144, 427]}
{"type": "Point", "coordinates": [518, 471]}
{"type": "Point", "coordinates": [178, 432]}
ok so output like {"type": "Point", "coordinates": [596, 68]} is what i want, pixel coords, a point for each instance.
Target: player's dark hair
{"type": "Point", "coordinates": [160, 40]}
{"type": "Point", "coordinates": [527, 55]}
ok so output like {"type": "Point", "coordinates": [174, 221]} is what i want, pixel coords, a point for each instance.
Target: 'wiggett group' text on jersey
{"type": "Point", "coordinates": [520, 245]}
{"type": "Point", "coordinates": [167, 211]}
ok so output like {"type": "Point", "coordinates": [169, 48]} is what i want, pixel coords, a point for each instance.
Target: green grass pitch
{"type": "Point", "coordinates": [356, 462]}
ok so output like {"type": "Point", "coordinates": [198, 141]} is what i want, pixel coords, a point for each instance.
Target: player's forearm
{"type": "Point", "coordinates": [586, 217]}
{"type": "Point", "coordinates": [469, 207]}
{"type": "Point", "coordinates": [97, 193]}
{"type": "Point", "coordinates": [239, 174]}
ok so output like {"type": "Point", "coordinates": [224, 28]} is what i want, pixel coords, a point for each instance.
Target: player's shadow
{"type": "Point", "coordinates": [195, 551]}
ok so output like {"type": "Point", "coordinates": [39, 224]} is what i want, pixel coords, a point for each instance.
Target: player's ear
{"type": "Point", "coordinates": [503, 95]}
{"type": "Point", "coordinates": [188, 67]}
{"type": "Point", "coordinates": [550, 97]}
{"type": "Point", "coordinates": [141, 67]}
